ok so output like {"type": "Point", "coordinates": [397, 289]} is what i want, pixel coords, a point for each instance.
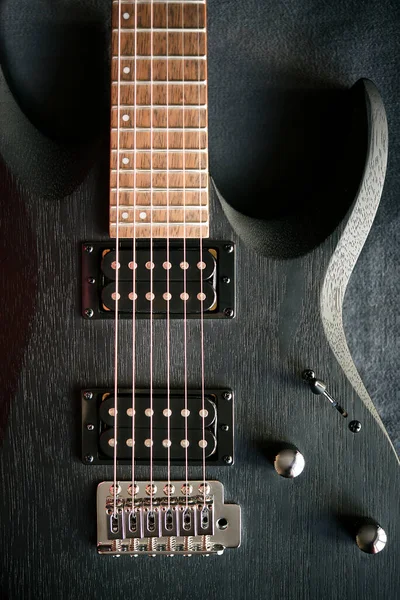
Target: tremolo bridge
{"type": "Point", "coordinates": [165, 518]}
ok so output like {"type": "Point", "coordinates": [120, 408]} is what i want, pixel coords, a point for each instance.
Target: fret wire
{"type": "Point", "coordinates": [204, 170]}
{"type": "Point", "coordinates": [148, 2]}
{"type": "Point", "coordinates": [161, 151]}
{"type": "Point", "coordinates": [158, 106]}
{"type": "Point", "coordinates": [160, 129]}
{"type": "Point", "coordinates": [161, 30]}
{"type": "Point", "coordinates": [162, 57]}
{"type": "Point", "coordinates": [161, 82]}
{"type": "Point", "coordinates": [139, 189]}
{"type": "Point", "coordinates": [163, 207]}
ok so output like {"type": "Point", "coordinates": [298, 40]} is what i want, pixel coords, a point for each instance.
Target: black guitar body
{"type": "Point", "coordinates": [298, 535]}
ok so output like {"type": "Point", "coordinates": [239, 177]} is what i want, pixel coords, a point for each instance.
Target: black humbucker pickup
{"type": "Point", "coordinates": [203, 281]}
{"type": "Point", "coordinates": [185, 425]}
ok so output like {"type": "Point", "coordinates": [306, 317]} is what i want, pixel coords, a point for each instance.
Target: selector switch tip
{"type": "Point", "coordinates": [370, 537]}
{"type": "Point", "coordinates": [289, 462]}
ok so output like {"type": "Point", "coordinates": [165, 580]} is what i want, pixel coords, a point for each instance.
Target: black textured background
{"type": "Point", "coordinates": [272, 66]}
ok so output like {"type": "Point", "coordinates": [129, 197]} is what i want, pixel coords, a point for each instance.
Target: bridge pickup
{"type": "Point", "coordinates": [203, 282]}
{"type": "Point", "coordinates": [192, 520]}
{"type": "Point", "coordinates": [215, 415]}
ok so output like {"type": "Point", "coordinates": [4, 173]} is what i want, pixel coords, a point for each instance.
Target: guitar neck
{"type": "Point", "coordinates": [159, 153]}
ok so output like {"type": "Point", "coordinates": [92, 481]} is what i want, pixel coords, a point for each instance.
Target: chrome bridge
{"type": "Point", "coordinates": [152, 519]}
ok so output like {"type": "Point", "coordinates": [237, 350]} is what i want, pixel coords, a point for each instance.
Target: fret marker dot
{"type": "Point", "coordinates": [124, 215]}
{"type": "Point", "coordinates": [142, 215]}
{"type": "Point", "coordinates": [184, 296]}
{"type": "Point", "coordinates": [201, 296]}
{"type": "Point", "coordinates": [166, 443]}
{"type": "Point", "coordinates": [150, 296]}
{"type": "Point", "coordinates": [132, 265]}
{"type": "Point", "coordinates": [167, 296]}
{"type": "Point", "coordinates": [125, 118]}
{"type": "Point", "coordinates": [201, 265]}
{"type": "Point", "coordinates": [148, 443]}
{"type": "Point", "coordinates": [149, 412]}
{"type": "Point", "coordinates": [115, 296]}
{"type": "Point", "coordinates": [127, 70]}
{"type": "Point", "coordinates": [167, 412]}
{"type": "Point", "coordinates": [132, 296]}
{"type": "Point", "coordinates": [149, 265]}
{"type": "Point", "coordinates": [166, 265]}
{"type": "Point", "coordinates": [130, 412]}
{"type": "Point", "coordinates": [203, 413]}
{"type": "Point", "coordinates": [185, 412]}
{"type": "Point", "coordinates": [184, 265]}
{"type": "Point", "coordinates": [126, 16]}
{"type": "Point", "coordinates": [185, 443]}
{"type": "Point", "coordinates": [125, 161]}
{"type": "Point", "coordinates": [203, 443]}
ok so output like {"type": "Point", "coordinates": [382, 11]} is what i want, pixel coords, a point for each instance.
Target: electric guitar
{"type": "Point", "coordinates": [178, 384]}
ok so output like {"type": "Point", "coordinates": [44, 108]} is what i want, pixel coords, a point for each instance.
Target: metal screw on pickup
{"type": "Point", "coordinates": [89, 312]}
{"type": "Point", "coordinates": [229, 248]}
{"type": "Point", "coordinates": [88, 249]}
{"type": "Point", "coordinates": [225, 427]}
{"type": "Point", "coordinates": [88, 395]}
{"type": "Point", "coordinates": [229, 312]}
{"type": "Point", "coordinates": [91, 280]}
{"type": "Point", "coordinates": [228, 459]}
{"type": "Point", "coordinates": [227, 395]}
{"type": "Point", "coordinates": [318, 387]}
{"type": "Point", "coordinates": [226, 279]}
{"type": "Point", "coordinates": [89, 458]}
{"type": "Point", "coordinates": [355, 426]}
{"type": "Point", "coordinates": [90, 426]}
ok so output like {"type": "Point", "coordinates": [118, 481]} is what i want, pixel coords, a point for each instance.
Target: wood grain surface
{"type": "Point", "coordinates": [159, 119]}
{"type": "Point", "coordinates": [296, 539]}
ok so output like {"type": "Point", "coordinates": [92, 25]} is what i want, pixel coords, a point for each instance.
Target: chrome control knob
{"type": "Point", "coordinates": [289, 462]}
{"type": "Point", "coordinates": [370, 537]}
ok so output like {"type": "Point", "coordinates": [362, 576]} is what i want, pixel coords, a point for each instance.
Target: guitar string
{"type": "Point", "coordinates": [203, 418]}
{"type": "Point", "coordinates": [185, 295]}
{"type": "Point", "coordinates": [117, 268]}
{"type": "Point", "coordinates": [151, 251]}
{"type": "Point", "coordinates": [168, 279]}
{"type": "Point", "coordinates": [134, 261]}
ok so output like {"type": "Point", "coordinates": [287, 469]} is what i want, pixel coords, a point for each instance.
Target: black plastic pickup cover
{"type": "Point", "coordinates": [215, 279]}
{"type": "Point", "coordinates": [98, 426]}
